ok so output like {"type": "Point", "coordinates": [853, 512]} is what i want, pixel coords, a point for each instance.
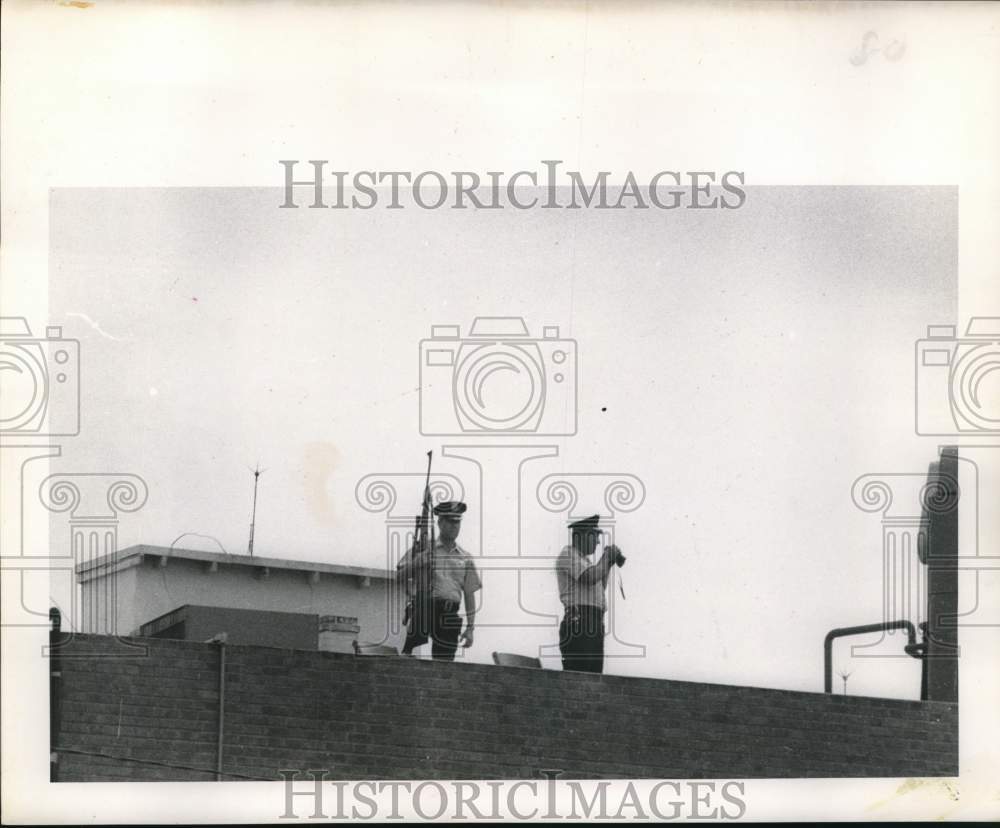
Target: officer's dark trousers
{"type": "Point", "coordinates": [581, 639]}
{"type": "Point", "coordinates": [442, 626]}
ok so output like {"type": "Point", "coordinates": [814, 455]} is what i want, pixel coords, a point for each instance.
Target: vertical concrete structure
{"type": "Point", "coordinates": [919, 565]}
{"type": "Point", "coordinates": [940, 555]}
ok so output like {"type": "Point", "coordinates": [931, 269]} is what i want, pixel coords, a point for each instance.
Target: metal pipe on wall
{"type": "Point", "coordinates": [220, 639]}
{"type": "Point", "coordinates": [55, 691]}
{"type": "Point", "coordinates": [912, 648]}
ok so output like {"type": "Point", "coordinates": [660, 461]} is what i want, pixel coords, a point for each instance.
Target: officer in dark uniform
{"type": "Point", "coordinates": [582, 588]}
{"type": "Point", "coordinates": [452, 578]}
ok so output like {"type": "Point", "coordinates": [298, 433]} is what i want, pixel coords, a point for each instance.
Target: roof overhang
{"type": "Point", "coordinates": [214, 561]}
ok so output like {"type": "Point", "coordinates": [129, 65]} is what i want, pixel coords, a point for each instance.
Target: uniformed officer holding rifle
{"type": "Point", "coordinates": [443, 576]}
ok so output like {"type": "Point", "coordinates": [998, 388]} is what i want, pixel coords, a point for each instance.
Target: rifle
{"type": "Point", "coordinates": [419, 609]}
{"type": "Point", "coordinates": [425, 523]}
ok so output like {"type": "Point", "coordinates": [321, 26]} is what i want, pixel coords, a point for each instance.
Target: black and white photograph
{"type": "Point", "coordinates": [492, 412]}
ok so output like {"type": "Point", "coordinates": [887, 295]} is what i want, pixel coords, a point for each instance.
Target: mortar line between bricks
{"type": "Point", "coordinates": [103, 755]}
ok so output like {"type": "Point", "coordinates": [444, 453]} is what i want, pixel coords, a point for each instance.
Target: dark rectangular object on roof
{"type": "Point", "coordinates": [263, 628]}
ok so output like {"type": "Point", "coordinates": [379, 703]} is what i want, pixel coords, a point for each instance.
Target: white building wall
{"type": "Point", "coordinates": [96, 597]}
{"type": "Point", "coordinates": [151, 589]}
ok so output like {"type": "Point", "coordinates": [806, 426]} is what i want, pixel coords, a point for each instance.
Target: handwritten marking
{"type": "Point", "coordinates": [870, 46]}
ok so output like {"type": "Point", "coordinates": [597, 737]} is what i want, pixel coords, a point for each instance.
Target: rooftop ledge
{"type": "Point", "coordinates": [385, 717]}
{"type": "Point", "coordinates": [135, 555]}
{"type": "Point", "coordinates": [445, 674]}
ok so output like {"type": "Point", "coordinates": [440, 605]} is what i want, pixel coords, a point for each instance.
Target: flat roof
{"type": "Point", "coordinates": [135, 555]}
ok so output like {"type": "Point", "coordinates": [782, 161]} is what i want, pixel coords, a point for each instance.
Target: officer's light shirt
{"type": "Point", "coordinates": [454, 572]}
{"type": "Point", "coordinates": [569, 567]}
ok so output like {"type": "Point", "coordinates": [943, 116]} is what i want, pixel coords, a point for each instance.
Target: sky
{"type": "Point", "coordinates": [744, 366]}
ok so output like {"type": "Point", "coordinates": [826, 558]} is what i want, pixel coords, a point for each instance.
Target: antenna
{"type": "Point", "coordinates": [257, 472]}
{"type": "Point", "coordinates": [845, 676]}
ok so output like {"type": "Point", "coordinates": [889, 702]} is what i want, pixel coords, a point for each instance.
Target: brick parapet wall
{"type": "Point", "coordinates": [397, 718]}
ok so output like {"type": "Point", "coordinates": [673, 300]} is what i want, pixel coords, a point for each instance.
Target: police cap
{"type": "Point", "coordinates": [588, 524]}
{"type": "Point", "coordinates": [453, 509]}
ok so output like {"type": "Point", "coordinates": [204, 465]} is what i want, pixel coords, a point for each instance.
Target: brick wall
{"type": "Point", "coordinates": [397, 718]}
